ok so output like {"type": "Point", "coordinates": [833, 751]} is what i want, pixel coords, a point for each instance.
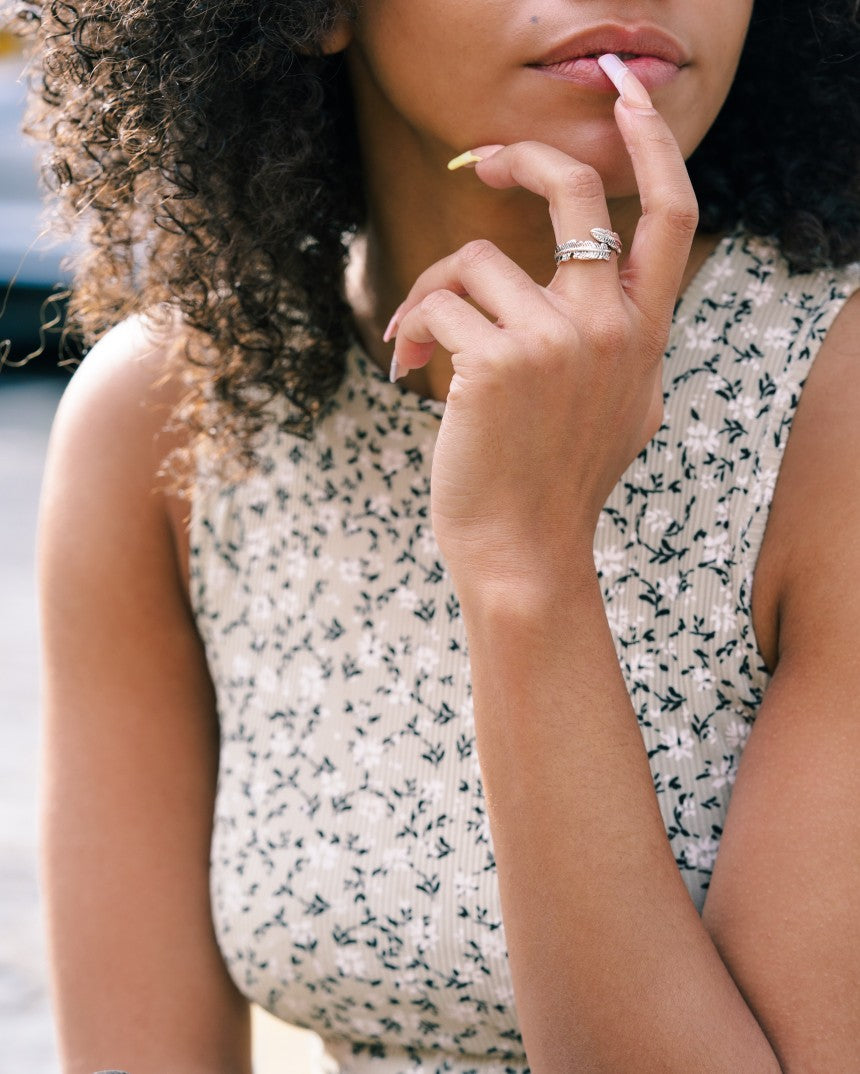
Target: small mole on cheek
{"type": "Point", "coordinates": [534, 20]}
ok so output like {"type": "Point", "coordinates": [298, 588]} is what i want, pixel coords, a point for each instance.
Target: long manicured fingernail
{"type": "Point", "coordinates": [632, 92]}
{"type": "Point", "coordinates": [395, 372]}
{"type": "Point", "coordinates": [464, 160]}
{"type": "Point", "coordinates": [473, 156]}
{"type": "Point", "coordinates": [388, 334]}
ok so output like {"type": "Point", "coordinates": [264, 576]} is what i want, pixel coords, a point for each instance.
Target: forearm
{"type": "Point", "coordinates": [612, 967]}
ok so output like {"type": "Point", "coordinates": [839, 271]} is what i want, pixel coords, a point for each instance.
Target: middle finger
{"type": "Point", "coordinates": [577, 203]}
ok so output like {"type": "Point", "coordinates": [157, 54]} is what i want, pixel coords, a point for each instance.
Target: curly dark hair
{"type": "Point", "coordinates": [208, 147]}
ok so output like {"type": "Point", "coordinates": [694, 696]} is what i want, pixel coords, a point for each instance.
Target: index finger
{"type": "Point", "coordinates": [664, 234]}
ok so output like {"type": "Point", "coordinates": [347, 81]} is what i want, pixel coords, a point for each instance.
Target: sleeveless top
{"type": "Point", "coordinates": [352, 876]}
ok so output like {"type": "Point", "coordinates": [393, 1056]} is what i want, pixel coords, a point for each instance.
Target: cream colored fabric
{"type": "Point", "coordinates": [353, 882]}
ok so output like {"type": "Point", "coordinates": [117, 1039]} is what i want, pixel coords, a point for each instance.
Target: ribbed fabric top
{"type": "Point", "coordinates": [353, 883]}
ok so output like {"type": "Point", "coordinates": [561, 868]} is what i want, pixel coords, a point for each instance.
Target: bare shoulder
{"type": "Point", "coordinates": [125, 390]}
{"type": "Point", "coordinates": [111, 435]}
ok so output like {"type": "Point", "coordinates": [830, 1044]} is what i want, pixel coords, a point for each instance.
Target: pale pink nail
{"type": "Point", "coordinates": [394, 373]}
{"type": "Point", "coordinates": [388, 334]}
{"type": "Point", "coordinates": [632, 92]}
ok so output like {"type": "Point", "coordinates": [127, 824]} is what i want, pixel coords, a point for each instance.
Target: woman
{"type": "Point", "coordinates": [388, 864]}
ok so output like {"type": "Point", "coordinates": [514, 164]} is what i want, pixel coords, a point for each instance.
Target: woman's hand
{"type": "Point", "coordinates": [555, 389]}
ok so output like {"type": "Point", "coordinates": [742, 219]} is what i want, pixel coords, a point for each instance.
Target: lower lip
{"type": "Point", "coordinates": [585, 71]}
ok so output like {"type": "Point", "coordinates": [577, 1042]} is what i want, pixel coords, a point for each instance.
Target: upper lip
{"type": "Point", "coordinates": [611, 37]}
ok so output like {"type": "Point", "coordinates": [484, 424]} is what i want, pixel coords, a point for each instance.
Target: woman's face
{"type": "Point", "coordinates": [447, 75]}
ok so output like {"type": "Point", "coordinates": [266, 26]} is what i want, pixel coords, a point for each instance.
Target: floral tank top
{"type": "Point", "coordinates": [353, 884]}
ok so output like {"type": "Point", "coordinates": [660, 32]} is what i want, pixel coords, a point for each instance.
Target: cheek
{"type": "Point", "coordinates": [413, 65]}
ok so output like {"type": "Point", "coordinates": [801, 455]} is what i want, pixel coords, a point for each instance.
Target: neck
{"type": "Point", "coordinates": [418, 213]}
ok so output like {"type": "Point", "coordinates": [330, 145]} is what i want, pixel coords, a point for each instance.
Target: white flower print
{"type": "Point", "coordinates": [258, 543]}
{"type": "Point", "coordinates": [287, 603]}
{"type": "Point", "coordinates": [423, 933]}
{"type": "Point", "coordinates": [787, 388]}
{"type": "Point", "coordinates": [464, 885]}
{"type": "Point", "coordinates": [678, 744]}
{"type": "Point", "coordinates": [703, 678]}
{"type": "Point", "coordinates": [327, 518]}
{"type": "Point", "coordinates": [763, 487]}
{"type": "Point", "coordinates": [658, 519]}
{"type": "Point", "coordinates": [725, 774]}
{"type": "Point", "coordinates": [367, 751]}
{"type": "Point", "coordinates": [669, 586]}
{"type": "Point", "coordinates": [350, 963]}
{"type": "Point", "coordinates": [433, 790]}
{"type": "Point", "coordinates": [760, 291]}
{"type": "Point", "coordinates": [344, 425]}
{"type": "Point", "coordinates": [394, 859]}
{"type": "Point", "coordinates": [296, 563]}
{"type": "Point", "coordinates": [321, 855]}
{"type": "Point", "coordinates": [353, 877]}
{"type": "Point", "coordinates": [241, 666]}
{"type": "Point", "coordinates": [641, 666]}
{"type": "Point", "coordinates": [380, 505]}
{"type": "Point", "coordinates": [718, 550]}
{"type": "Point", "coordinates": [350, 571]}
{"type": "Point", "coordinates": [609, 561]}
{"type": "Point", "coordinates": [702, 854]}
{"type": "Point", "coordinates": [369, 651]}
{"type": "Point", "coordinates": [391, 460]}
{"type": "Point", "coordinates": [371, 808]}
{"type": "Point", "coordinates": [311, 685]}
{"type": "Point", "coordinates": [399, 694]}
{"type": "Point", "coordinates": [723, 617]}
{"type": "Point", "coordinates": [406, 598]}
{"type": "Point", "coordinates": [699, 336]}
{"type": "Point", "coordinates": [332, 784]}
{"type": "Point", "coordinates": [744, 408]}
{"type": "Point", "coordinates": [700, 439]}
{"type": "Point", "coordinates": [777, 336]}
{"type": "Point", "coordinates": [737, 732]}
{"type": "Point", "coordinates": [426, 659]}
{"type": "Point", "coordinates": [618, 617]}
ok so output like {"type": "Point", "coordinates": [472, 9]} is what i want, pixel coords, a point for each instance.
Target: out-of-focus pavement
{"type": "Point", "coordinates": [26, 1037]}
{"type": "Point", "coordinates": [27, 405]}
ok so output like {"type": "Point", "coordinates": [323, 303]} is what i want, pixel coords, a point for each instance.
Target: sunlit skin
{"type": "Point", "coordinates": [431, 80]}
{"type": "Point", "coordinates": [553, 384]}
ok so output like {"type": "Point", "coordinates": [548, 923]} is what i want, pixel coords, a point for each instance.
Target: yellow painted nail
{"type": "Point", "coordinates": [464, 160]}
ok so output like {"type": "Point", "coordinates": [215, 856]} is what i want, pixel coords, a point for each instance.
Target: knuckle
{"type": "Point", "coordinates": [436, 302]}
{"type": "Point", "coordinates": [551, 344]}
{"type": "Point", "coordinates": [682, 214]}
{"type": "Point", "coordinates": [477, 253]}
{"type": "Point", "coordinates": [580, 182]}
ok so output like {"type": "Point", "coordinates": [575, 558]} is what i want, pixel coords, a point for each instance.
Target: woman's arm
{"type": "Point", "coordinates": [784, 901]}
{"type": "Point", "coordinates": [613, 969]}
{"type": "Point", "coordinates": [131, 743]}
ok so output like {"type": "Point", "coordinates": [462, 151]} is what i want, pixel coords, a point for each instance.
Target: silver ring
{"type": "Point", "coordinates": [582, 250]}
{"type": "Point", "coordinates": [611, 238]}
{"type": "Point", "coordinates": [602, 244]}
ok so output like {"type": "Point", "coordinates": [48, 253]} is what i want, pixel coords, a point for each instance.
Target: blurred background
{"type": "Point", "coordinates": [28, 272]}
{"type": "Point", "coordinates": [31, 272]}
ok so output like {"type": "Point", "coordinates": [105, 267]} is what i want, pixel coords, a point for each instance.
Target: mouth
{"type": "Point", "coordinates": [653, 55]}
